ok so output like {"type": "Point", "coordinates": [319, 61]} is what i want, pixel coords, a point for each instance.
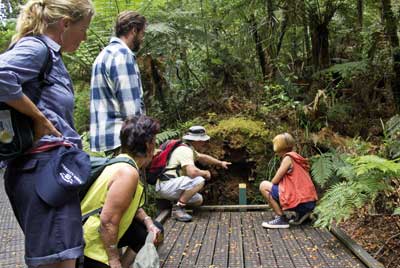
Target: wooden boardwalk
{"type": "Point", "coordinates": [237, 240]}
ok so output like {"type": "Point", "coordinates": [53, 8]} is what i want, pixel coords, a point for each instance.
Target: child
{"type": "Point", "coordinates": [291, 188]}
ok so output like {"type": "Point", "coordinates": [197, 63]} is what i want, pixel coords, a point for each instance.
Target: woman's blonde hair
{"type": "Point", "coordinates": [37, 15]}
{"type": "Point", "coordinates": [283, 143]}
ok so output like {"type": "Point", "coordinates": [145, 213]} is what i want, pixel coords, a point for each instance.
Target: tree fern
{"type": "Point", "coordinates": [322, 169]}
{"type": "Point", "coordinates": [364, 178]}
{"type": "Point", "coordinates": [365, 164]}
{"type": "Point", "coordinates": [342, 199]}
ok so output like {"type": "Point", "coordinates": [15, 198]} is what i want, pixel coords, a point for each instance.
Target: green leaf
{"type": "Point", "coordinates": [322, 169]}
{"type": "Point", "coordinates": [396, 211]}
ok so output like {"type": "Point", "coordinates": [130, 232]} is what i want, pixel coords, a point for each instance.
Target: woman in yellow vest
{"type": "Point", "coordinates": [120, 194]}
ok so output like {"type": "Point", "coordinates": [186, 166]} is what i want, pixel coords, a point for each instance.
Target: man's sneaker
{"type": "Point", "coordinates": [278, 222]}
{"type": "Point", "coordinates": [299, 219]}
{"type": "Point", "coordinates": [179, 214]}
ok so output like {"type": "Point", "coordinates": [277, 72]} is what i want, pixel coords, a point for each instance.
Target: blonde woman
{"type": "Point", "coordinates": [48, 214]}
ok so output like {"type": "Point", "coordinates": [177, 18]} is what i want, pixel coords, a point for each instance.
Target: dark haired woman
{"type": "Point", "coordinates": [120, 193]}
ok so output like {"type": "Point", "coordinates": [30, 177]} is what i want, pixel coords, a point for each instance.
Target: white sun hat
{"type": "Point", "coordinates": [196, 133]}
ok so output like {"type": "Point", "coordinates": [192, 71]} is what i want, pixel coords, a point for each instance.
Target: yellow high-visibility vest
{"type": "Point", "coordinates": [93, 200]}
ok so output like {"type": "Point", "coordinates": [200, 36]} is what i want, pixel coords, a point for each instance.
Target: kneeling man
{"type": "Point", "coordinates": [182, 180]}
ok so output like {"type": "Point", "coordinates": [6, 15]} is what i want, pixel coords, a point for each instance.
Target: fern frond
{"type": "Point", "coordinates": [160, 28]}
{"type": "Point", "coordinates": [367, 163]}
{"type": "Point", "coordinates": [166, 135]}
{"type": "Point", "coordinates": [322, 169]}
{"type": "Point", "coordinates": [344, 198]}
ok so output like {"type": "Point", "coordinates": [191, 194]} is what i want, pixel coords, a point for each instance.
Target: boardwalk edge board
{"type": "Point", "coordinates": [163, 216]}
{"type": "Point", "coordinates": [355, 248]}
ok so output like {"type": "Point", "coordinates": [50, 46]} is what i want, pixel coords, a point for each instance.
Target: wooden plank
{"type": "Point", "coordinates": [235, 242]}
{"type": "Point", "coordinates": [306, 244]}
{"type": "Point", "coordinates": [182, 241]}
{"type": "Point", "coordinates": [295, 252]}
{"type": "Point", "coordinates": [168, 226]}
{"type": "Point", "coordinates": [207, 249]}
{"type": "Point", "coordinates": [267, 258]}
{"type": "Point", "coordinates": [163, 216]}
{"type": "Point", "coordinates": [221, 254]}
{"type": "Point", "coordinates": [356, 249]}
{"type": "Point", "coordinates": [344, 254]}
{"type": "Point", "coordinates": [192, 251]}
{"type": "Point", "coordinates": [250, 249]}
{"type": "Point", "coordinates": [169, 240]}
{"type": "Point", "coordinates": [233, 208]}
{"type": "Point", "coordinates": [278, 246]}
{"type": "Point", "coordinates": [322, 247]}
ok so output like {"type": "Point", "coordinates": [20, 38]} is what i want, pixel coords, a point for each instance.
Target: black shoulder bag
{"type": "Point", "coordinates": [16, 129]}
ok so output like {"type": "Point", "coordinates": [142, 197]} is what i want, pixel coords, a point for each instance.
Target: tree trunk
{"type": "Point", "coordinates": [259, 48]}
{"type": "Point", "coordinates": [360, 13]}
{"type": "Point", "coordinates": [307, 45]}
{"type": "Point", "coordinates": [284, 25]}
{"type": "Point", "coordinates": [390, 23]}
{"type": "Point", "coordinates": [320, 46]}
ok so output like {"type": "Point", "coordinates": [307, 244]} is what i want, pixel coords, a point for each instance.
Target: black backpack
{"type": "Point", "coordinates": [16, 129]}
{"type": "Point", "coordinates": [98, 165]}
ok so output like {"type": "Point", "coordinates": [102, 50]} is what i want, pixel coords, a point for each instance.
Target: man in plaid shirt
{"type": "Point", "coordinates": [116, 88]}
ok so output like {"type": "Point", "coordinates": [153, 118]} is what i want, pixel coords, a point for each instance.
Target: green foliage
{"type": "Point", "coordinates": [364, 177]}
{"type": "Point", "coordinates": [392, 137]}
{"type": "Point", "coordinates": [7, 31]}
{"type": "Point", "coordinates": [340, 112]}
{"type": "Point", "coordinates": [82, 104]}
{"type": "Point", "coordinates": [322, 169]}
{"type": "Point", "coordinates": [242, 132]}
{"type": "Point", "coordinates": [167, 135]}
{"type": "Point", "coordinates": [347, 70]}
{"type": "Point", "coordinates": [276, 97]}
{"type": "Point", "coordinates": [396, 211]}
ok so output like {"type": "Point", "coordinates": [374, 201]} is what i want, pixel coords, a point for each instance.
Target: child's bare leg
{"type": "Point", "coordinates": [275, 206]}
{"type": "Point", "coordinates": [266, 189]}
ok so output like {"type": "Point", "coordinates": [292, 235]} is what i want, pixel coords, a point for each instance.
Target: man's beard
{"type": "Point", "coordinates": [136, 44]}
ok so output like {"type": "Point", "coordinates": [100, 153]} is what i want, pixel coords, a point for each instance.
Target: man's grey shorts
{"type": "Point", "coordinates": [173, 188]}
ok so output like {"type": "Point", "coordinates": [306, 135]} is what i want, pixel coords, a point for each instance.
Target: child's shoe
{"type": "Point", "coordinates": [279, 222]}
{"type": "Point", "coordinates": [179, 214]}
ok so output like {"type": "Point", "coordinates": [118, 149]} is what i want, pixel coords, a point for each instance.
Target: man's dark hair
{"type": "Point", "coordinates": [135, 132]}
{"type": "Point", "coordinates": [127, 20]}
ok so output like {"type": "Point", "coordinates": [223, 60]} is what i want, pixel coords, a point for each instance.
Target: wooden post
{"type": "Point", "coordinates": [242, 194]}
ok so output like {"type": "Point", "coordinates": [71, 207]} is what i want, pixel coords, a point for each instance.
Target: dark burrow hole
{"type": "Point", "coordinates": [223, 188]}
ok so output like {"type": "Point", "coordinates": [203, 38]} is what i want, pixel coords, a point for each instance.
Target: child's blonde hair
{"type": "Point", "coordinates": [37, 15]}
{"type": "Point", "coordinates": [283, 143]}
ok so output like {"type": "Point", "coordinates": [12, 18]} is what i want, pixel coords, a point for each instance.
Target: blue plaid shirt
{"type": "Point", "coordinates": [116, 93]}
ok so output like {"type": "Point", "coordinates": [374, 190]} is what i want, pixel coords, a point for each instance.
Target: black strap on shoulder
{"type": "Point", "coordinates": [91, 213]}
{"type": "Point", "coordinates": [47, 66]}
{"type": "Point", "coordinates": [122, 159]}
{"type": "Point", "coordinates": [45, 70]}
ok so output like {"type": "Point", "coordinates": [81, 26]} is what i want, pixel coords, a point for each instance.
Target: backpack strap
{"type": "Point", "coordinates": [45, 70]}
{"type": "Point", "coordinates": [165, 177]}
{"type": "Point", "coordinates": [122, 159]}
